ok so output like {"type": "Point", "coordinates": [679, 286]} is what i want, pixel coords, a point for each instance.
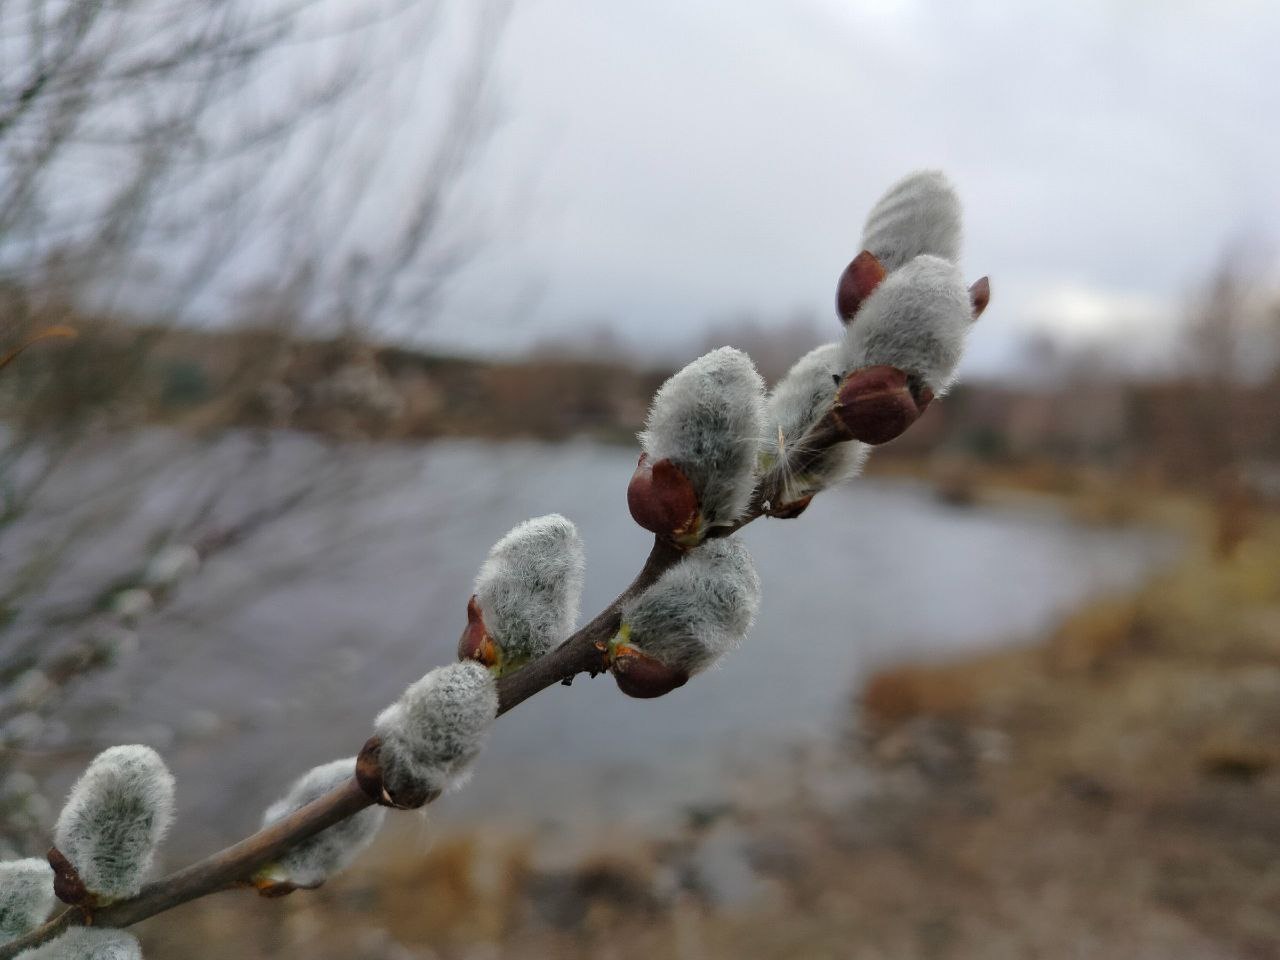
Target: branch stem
{"type": "Point", "coordinates": [238, 862]}
{"type": "Point", "coordinates": [580, 653]}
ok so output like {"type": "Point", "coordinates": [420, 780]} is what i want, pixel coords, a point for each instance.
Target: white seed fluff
{"type": "Point", "coordinates": [431, 735]}
{"type": "Point", "coordinates": [707, 420]}
{"type": "Point", "coordinates": [89, 943]}
{"type": "Point", "coordinates": [916, 320]}
{"type": "Point", "coordinates": [698, 610]}
{"type": "Point", "coordinates": [26, 896]}
{"type": "Point", "coordinates": [115, 817]}
{"type": "Point", "coordinates": [920, 214]}
{"type": "Point", "coordinates": [530, 586]}
{"type": "Point", "coordinates": [331, 850]}
{"type": "Point", "coordinates": [796, 403]}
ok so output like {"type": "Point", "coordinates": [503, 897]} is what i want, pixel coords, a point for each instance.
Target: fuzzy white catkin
{"type": "Point", "coordinates": [916, 320]}
{"type": "Point", "coordinates": [26, 896]}
{"type": "Point", "coordinates": [88, 943]}
{"type": "Point", "coordinates": [920, 214]}
{"type": "Point", "coordinates": [698, 610]}
{"type": "Point", "coordinates": [797, 402]}
{"type": "Point", "coordinates": [316, 859]}
{"type": "Point", "coordinates": [707, 420]}
{"type": "Point", "coordinates": [431, 735]}
{"type": "Point", "coordinates": [115, 817]}
{"type": "Point", "coordinates": [132, 605]}
{"type": "Point", "coordinates": [170, 565]}
{"type": "Point", "coordinates": [530, 586]}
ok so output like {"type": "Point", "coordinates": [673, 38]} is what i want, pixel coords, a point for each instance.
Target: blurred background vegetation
{"type": "Point", "coordinates": [1017, 693]}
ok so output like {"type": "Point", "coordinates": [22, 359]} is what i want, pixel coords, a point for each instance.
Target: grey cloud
{"type": "Point", "coordinates": [693, 159]}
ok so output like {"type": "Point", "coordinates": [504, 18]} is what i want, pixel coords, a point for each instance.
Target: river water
{"type": "Point", "coordinates": [278, 653]}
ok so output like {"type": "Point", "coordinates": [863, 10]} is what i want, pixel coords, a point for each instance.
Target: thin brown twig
{"type": "Point", "coordinates": [56, 332]}
{"type": "Point", "coordinates": [580, 653]}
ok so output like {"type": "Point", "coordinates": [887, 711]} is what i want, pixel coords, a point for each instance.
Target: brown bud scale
{"type": "Point", "coordinates": [980, 296]}
{"type": "Point", "coordinates": [369, 777]}
{"type": "Point", "coordinates": [475, 642]}
{"type": "Point", "coordinates": [369, 771]}
{"type": "Point", "coordinates": [274, 889]}
{"type": "Point", "coordinates": [640, 675]}
{"type": "Point", "coordinates": [67, 885]}
{"type": "Point", "coordinates": [789, 511]}
{"type": "Point", "coordinates": [662, 500]}
{"type": "Point", "coordinates": [859, 280]}
{"type": "Point", "coordinates": [876, 404]}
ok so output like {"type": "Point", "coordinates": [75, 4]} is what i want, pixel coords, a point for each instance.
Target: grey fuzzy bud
{"type": "Point", "coordinates": [89, 943]}
{"type": "Point", "coordinates": [797, 402]}
{"type": "Point", "coordinates": [115, 817]}
{"type": "Point", "coordinates": [529, 588]}
{"type": "Point", "coordinates": [707, 420]}
{"type": "Point", "coordinates": [434, 731]}
{"type": "Point", "coordinates": [920, 214]}
{"type": "Point", "coordinates": [697, 611]}
{"type": "Point", "coordinates": [314, 860]}
{"type": "Point", "coordinates": [170, 565]}
{"type": "Point", "coordinates": [26, 896]}
{"type": "Point", "coordinates": [916, 321]}
{"type": "Point", "coordinates": [132, 605]}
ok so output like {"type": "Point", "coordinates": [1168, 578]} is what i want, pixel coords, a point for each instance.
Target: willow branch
{"type": "Point", "coordinates": [580, 653]}
{"type": "Point", "coordinates": [235, 865]}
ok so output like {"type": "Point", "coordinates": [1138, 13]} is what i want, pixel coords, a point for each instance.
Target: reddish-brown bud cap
{"type": "Point", "coordinates": [876, 404]}
{"type": "Point", "coordinates": [789, 511]}
{"type": "Point", "coordinates": [980, 296]}
{"type": "Point", "coordinates": [662, 499]}
{"type": "Point", "coordinates": [475, 642]}
{"type": "Point", "coordinates": [369, 777]}
{"type": "Point", "coordinates": [859, 281]}
{"type": "Point", "coordinates": [369, 769]}
{"type": "Point", "coordinates": [274, 889]}
{"type": "Point", "coordinates": [640, 675]}
{"type": "Point", "coordinates": [67, 885]}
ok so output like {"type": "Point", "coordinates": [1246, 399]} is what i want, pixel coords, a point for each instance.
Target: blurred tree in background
{"type": "Point", "coordinates": [172, 164]}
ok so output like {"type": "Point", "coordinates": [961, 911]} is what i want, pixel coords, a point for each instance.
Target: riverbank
{"type": "Point", "coordinates": [1109, 790]}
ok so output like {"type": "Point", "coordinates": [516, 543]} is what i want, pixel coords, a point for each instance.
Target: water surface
{"type": "Point", "coordinates": [279, 652]}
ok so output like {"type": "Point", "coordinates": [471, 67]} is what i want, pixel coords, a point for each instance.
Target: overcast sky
{"type": "Point", "coordinates": [684, 161]}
